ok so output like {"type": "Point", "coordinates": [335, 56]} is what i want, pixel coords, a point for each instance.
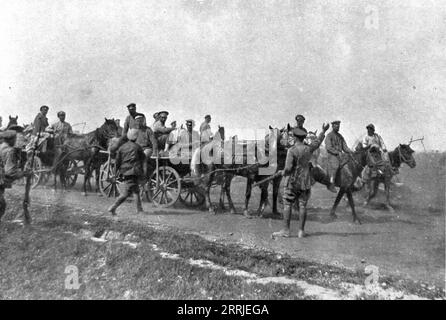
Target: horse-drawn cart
{"type": "Point", "coordinates": [168, 183]}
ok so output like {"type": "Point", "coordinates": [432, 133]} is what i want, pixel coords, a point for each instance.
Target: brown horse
{"type": "Point", "coordinates": [401, 154]}
{"type": "Point", "coordinates": [86, 147]}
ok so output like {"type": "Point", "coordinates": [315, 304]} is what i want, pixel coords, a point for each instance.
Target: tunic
{"type": "Point", "coordinates": [129, 159]}
{"type": "Point", "coordinates": [40, 123]}
{"type": "Point", "coordinates": [130, 123]}
{"type": "Point", "coordinates": [335, 145]}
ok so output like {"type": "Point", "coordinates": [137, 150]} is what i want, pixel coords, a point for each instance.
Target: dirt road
{"type": "Point", "coordinates": [409, 243]}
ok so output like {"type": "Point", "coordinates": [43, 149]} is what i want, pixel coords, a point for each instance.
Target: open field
{"type": "Point", "coordinates": [236, 257]}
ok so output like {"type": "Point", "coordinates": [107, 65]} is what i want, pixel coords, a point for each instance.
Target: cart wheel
{"type": "Point", "coordinates": [108, 180]}
{"type": "Point", "coordinates": [191, 195]}
{"type": "Point", "coordinates": [38, 174]}
{"type": "Point", "coordinates": [71, 174]}
{"type": "Point", "coordinates": [169, 187]}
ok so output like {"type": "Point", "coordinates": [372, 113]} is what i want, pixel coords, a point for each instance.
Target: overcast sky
{"type": "Point", "coordinates": [247, 63]}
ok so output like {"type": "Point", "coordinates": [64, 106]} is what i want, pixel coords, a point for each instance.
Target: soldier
{"type": "Point", "coordinates": [40, 124]}
{"type": "Point", "coordinates": [300, 120]}
{"type": "Point", "coordinates": [61, 129]}
{"type": "Point", "coordinates": [129, 161]}
{"type": "Point", "coordinates": [377, 157]}
{"type": "Point", "coordinates": [129, 122]}
{"type": "Point", "coordinates": [298, 179]}
{"type": "Point", "coordinates": [161, 131]}
{"type": "Point", "coordinates": [189, 138]}
{"type": "Point", "coordinates": [205, 130]}
{"type": "Point", "coordinates": [9, 165]}
{"type": "Point", "coordinates": [146, 139]}
{"type": "Point", "coordinates": [335, 145]}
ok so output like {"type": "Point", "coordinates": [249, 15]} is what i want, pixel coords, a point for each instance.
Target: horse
{"type": "Point", "coordinates": [207, 171]}
{"type": "Point", "coordinates": [86, 147]}
{"type": "Point", "coordinates": [346, 179]}
{"type": "Point", "coordinates": [12, 123]}
{"type": "Point", "coordinates": [401, 154]}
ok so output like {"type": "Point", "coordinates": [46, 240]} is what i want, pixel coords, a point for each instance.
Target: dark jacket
{"type": "Point", "coordinates": [129, 159]}
{"type": "Point", "coordinates": [40, 123]}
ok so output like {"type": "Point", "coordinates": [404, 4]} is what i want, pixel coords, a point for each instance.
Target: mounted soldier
{"type": "Point", "coordinates": [336, 147]}
{"type": "Point", "coordinates": [205, 130]}
{"type": "Point", "coordinates": [298, 179]}
{"type": "Point", "coordinates": [61, 129]}
{"type": "Point", "coordinates": [9, 165]}
{"type": "Point", "coordinates": [161, 131]}
{"type": "Point", "coordinates": [377, 157]}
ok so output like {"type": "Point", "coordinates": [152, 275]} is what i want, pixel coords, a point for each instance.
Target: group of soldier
{"type": "Point", "coordinates": [138, 142]}
{"type": "Point", "coordinates": [297, 172]}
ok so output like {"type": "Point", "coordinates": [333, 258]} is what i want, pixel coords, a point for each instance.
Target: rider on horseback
{"type": "Point", "coordinates": [377, 157]}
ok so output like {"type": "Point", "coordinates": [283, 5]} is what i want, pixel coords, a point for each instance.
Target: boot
{"type": "Point", "coordinates": [139, 208]}
{"type": "Point", "coordinates": [302, 220]}
{"type": "Point", "coordinates": [285, 232]}
{"type": "Point", "coordinates": [115, 205]}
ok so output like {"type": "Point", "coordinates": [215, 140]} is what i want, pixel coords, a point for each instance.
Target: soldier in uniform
{"type": "Point", "coordinates": [9, 165]}
{"type": "Point", "coordinates": [161, 131]}
{"type": "Point", "coordinates": [39, 126]}
{"type": "Point", "coordinates": [205, 130]}
{"type": "Point", "coordinates": [300, 120]}
{"type": "Point", "coordinates": [335, 145]}
{"type": "Point", "coordinates": [189, 139]}
{"type": "Point", "coordinates": [298, 179]}
{"type": "Point", "coordinates": [130, 122]}
{"type": "Point", "coordinates": [61, 129]}
{"type": "Point", "coordinates": [146, 139]}
{"type": "Point", "coordinates": [129, 162]}
{"type": "Point", "coordinates": [377, 157]}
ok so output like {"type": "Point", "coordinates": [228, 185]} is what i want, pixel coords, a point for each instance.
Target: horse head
{"type": "Point", "coordinates": [12, 122]}
{"type": "Point", "coordinates": [405, 153]}
{"type": "Point", "coordinates": [109, 129]}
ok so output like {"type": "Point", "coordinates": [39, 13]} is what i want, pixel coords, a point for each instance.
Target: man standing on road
{"type": "Point", "coordinates": [129, 162]}
{"type": "Point", "coordinates": [61, 129]}
{"type": "Point", "coordinates": [335, 145]}
{"type": "Point", "coordinates": [9, 165]}
{"type": "Point", "coordinates": [298, 179]}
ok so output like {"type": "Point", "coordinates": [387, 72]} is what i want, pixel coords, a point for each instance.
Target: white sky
{"type": "Point", "coordinates": [247, 63]}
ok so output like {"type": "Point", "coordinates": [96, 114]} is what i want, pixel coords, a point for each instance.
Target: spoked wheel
{"type": "Point", "coordinates": [37, 170]}
{"type": "Point", "coordinates": [71, 174]}
{"type": "Point", "coordinates": [108, 180]}
{"type": "Point", "coordinates": [191, 195]}
{"type": "Point", "coordinates": [164, 188]}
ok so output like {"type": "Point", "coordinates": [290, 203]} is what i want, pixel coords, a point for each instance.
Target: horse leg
{"type": "Point", "coordinates": [352, 206]}
{"type": "Point", "coordinates": [97, 172]}
{"type": "Point", "coordinates": [263, 199]}
{"type": "Point", "coordinates": [247, 197]}
{"type": "Point", "coordinates": [208, 184]}
{"type": "Point", "coordinates": [335, 205]}
{"type": "Point", "coordinates": [221, 203]}
{"type": "Point", "coordinates": [276, 186]}
{"type": "Point", "coordinates": [373, 190]}
{"type": "Point", "coordinates": [387, 189]}
{"type": "Point", "coordinates": [87, 166]}
{"type": "Point", "coordinates": [227, 187]}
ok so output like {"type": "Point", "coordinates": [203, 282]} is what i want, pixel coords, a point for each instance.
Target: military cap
{"type": "Point", "coordinates": [207, 116]}
{"type": "Point", "coordinates": [161, 113]}
{"type": "Point", "coordinates": [61, 113]}
{"type": "Point", "coordinates": [139, 116]}
{"type": "Point", "coordinates": [8, 134]}
{"type": "Point", "coordinates": [155, 115]}
{"type": "Point", "coordinates": [298, 132]}
{"type": "Point", "coordinates": [192, 122]}
{"type": "Point", "coordinates": [131, 105]}
{"type": "Point", "coordinates": [44, 107]}
{"type": "Point", "coordinates": [336, 121]}
{"type": "Point", "coordinates": [371, 126]}
{"type": "Point", "coordinates": [299, 116]}
{"type": "Point", "coordinates": [132, 134]}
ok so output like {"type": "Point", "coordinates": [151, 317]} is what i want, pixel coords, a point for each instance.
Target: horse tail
{"type": "Point", "coordinates": [195, 167]}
